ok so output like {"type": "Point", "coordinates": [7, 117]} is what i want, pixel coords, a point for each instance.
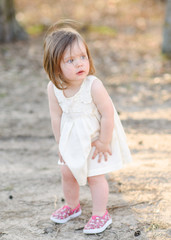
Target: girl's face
{"type": "Point", "coordinates": [75, 63]}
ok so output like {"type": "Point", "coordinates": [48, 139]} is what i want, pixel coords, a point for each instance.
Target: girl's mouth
{"type": "Point", "coordinates": [80, 72]}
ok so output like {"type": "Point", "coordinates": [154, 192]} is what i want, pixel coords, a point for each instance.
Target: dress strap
{"type": "Point", "coordinates": [58, 94]}
{"type": "Point", "coordinates": [85, 93]}
{"type": "Point", "coordinates": [89, 81]}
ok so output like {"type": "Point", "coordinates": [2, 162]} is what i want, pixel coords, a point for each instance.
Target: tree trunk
{"type": "Point", "coordinates": [166, 46]}
{"type": "Point", "coordinates": [10, 30]}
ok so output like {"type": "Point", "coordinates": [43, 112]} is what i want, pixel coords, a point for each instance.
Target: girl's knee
{"type": "Point", "coordinates": [96, 179]}
{"type": "Point", "coordinates": [67, 174]}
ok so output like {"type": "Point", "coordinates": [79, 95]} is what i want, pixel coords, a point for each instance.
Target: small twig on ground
{"type": "Point", "coordinates": [132, 205]}
{"type": "Point", "coordinates": [58, 230]}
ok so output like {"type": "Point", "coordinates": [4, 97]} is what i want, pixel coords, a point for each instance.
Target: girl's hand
{"type": "Point", "coordinates": [102, 149]}
{"type": "Point", "coordinates": [61, 159]}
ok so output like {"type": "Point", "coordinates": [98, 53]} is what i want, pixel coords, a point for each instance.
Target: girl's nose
{"type": "Point", "coordinates": [78, 63]}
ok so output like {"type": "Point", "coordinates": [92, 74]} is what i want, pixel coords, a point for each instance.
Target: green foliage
{"type": "Point", "coordinates": [166, 56]}
{"type": "Point", "coordinates": [103, 30]}
{"type": "Point", "coordinates": [36, 29]}
{"type": "Point", "coordinates": [2, 95]}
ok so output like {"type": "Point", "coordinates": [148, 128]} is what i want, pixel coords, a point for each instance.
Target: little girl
{"type": "Point", "coordinates": [91, 140]}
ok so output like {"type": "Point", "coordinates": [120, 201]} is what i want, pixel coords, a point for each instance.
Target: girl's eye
{"type": "Point", "coordinates": [70, 61]}
{"type": "Point", "coordinates": [83, 57]}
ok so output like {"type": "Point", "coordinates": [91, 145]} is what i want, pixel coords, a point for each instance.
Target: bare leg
{"type": "Point", "coordinates": [99, 192]}
{"type": "Point", "coordinates": [70, 187]}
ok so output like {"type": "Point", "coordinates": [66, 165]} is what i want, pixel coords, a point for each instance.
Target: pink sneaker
{"type": "Point", "coordinates": [65, 213]}
{"type": "Point", "coordinates": [97, 224]}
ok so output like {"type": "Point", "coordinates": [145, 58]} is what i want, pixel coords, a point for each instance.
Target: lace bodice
{"type": "Point", "coordinates": [81, 102]}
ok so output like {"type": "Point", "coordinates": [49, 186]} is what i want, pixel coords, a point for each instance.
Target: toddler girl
{"type": "Point", "coordinates": [90, 137]}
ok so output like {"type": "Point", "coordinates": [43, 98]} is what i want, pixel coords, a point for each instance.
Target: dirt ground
{"type": "Point", "coordinates": [138, 78]}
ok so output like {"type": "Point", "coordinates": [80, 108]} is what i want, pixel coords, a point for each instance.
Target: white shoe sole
{"type": "Point", "coordinates": [98, 230]}
{"type": "Point", "coordinates": [66, 219]}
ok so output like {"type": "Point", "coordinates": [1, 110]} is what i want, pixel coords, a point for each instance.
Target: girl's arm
{"type": "Point", "coordinates": [55, 112]}
{"type": "Point", "coordinates": [104, 105]}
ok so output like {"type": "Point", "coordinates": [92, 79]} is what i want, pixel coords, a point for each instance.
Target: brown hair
{"type": "Point", "coordinates": [57, 39]}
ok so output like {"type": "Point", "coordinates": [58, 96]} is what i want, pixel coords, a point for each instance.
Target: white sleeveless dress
{"type": "Point", "coordinates": [80, 125]}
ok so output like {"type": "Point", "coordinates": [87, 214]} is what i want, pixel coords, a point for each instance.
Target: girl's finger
{"type": "Point", "coordinates": [95, 153]}
{"type": "Point", "coordinates": [110, 152]}
{"type": "Point", "coordinates": [61, 159]}
{"type": "Point", "coordinates": [100, 157]}
{"type": "Point", "coordinates": [105, 156]}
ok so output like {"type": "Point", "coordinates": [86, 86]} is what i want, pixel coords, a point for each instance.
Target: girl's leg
{"type": "Point", "coordinates": [70, 187]}
{"type": "Point", "coordinates": [99, 192]}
